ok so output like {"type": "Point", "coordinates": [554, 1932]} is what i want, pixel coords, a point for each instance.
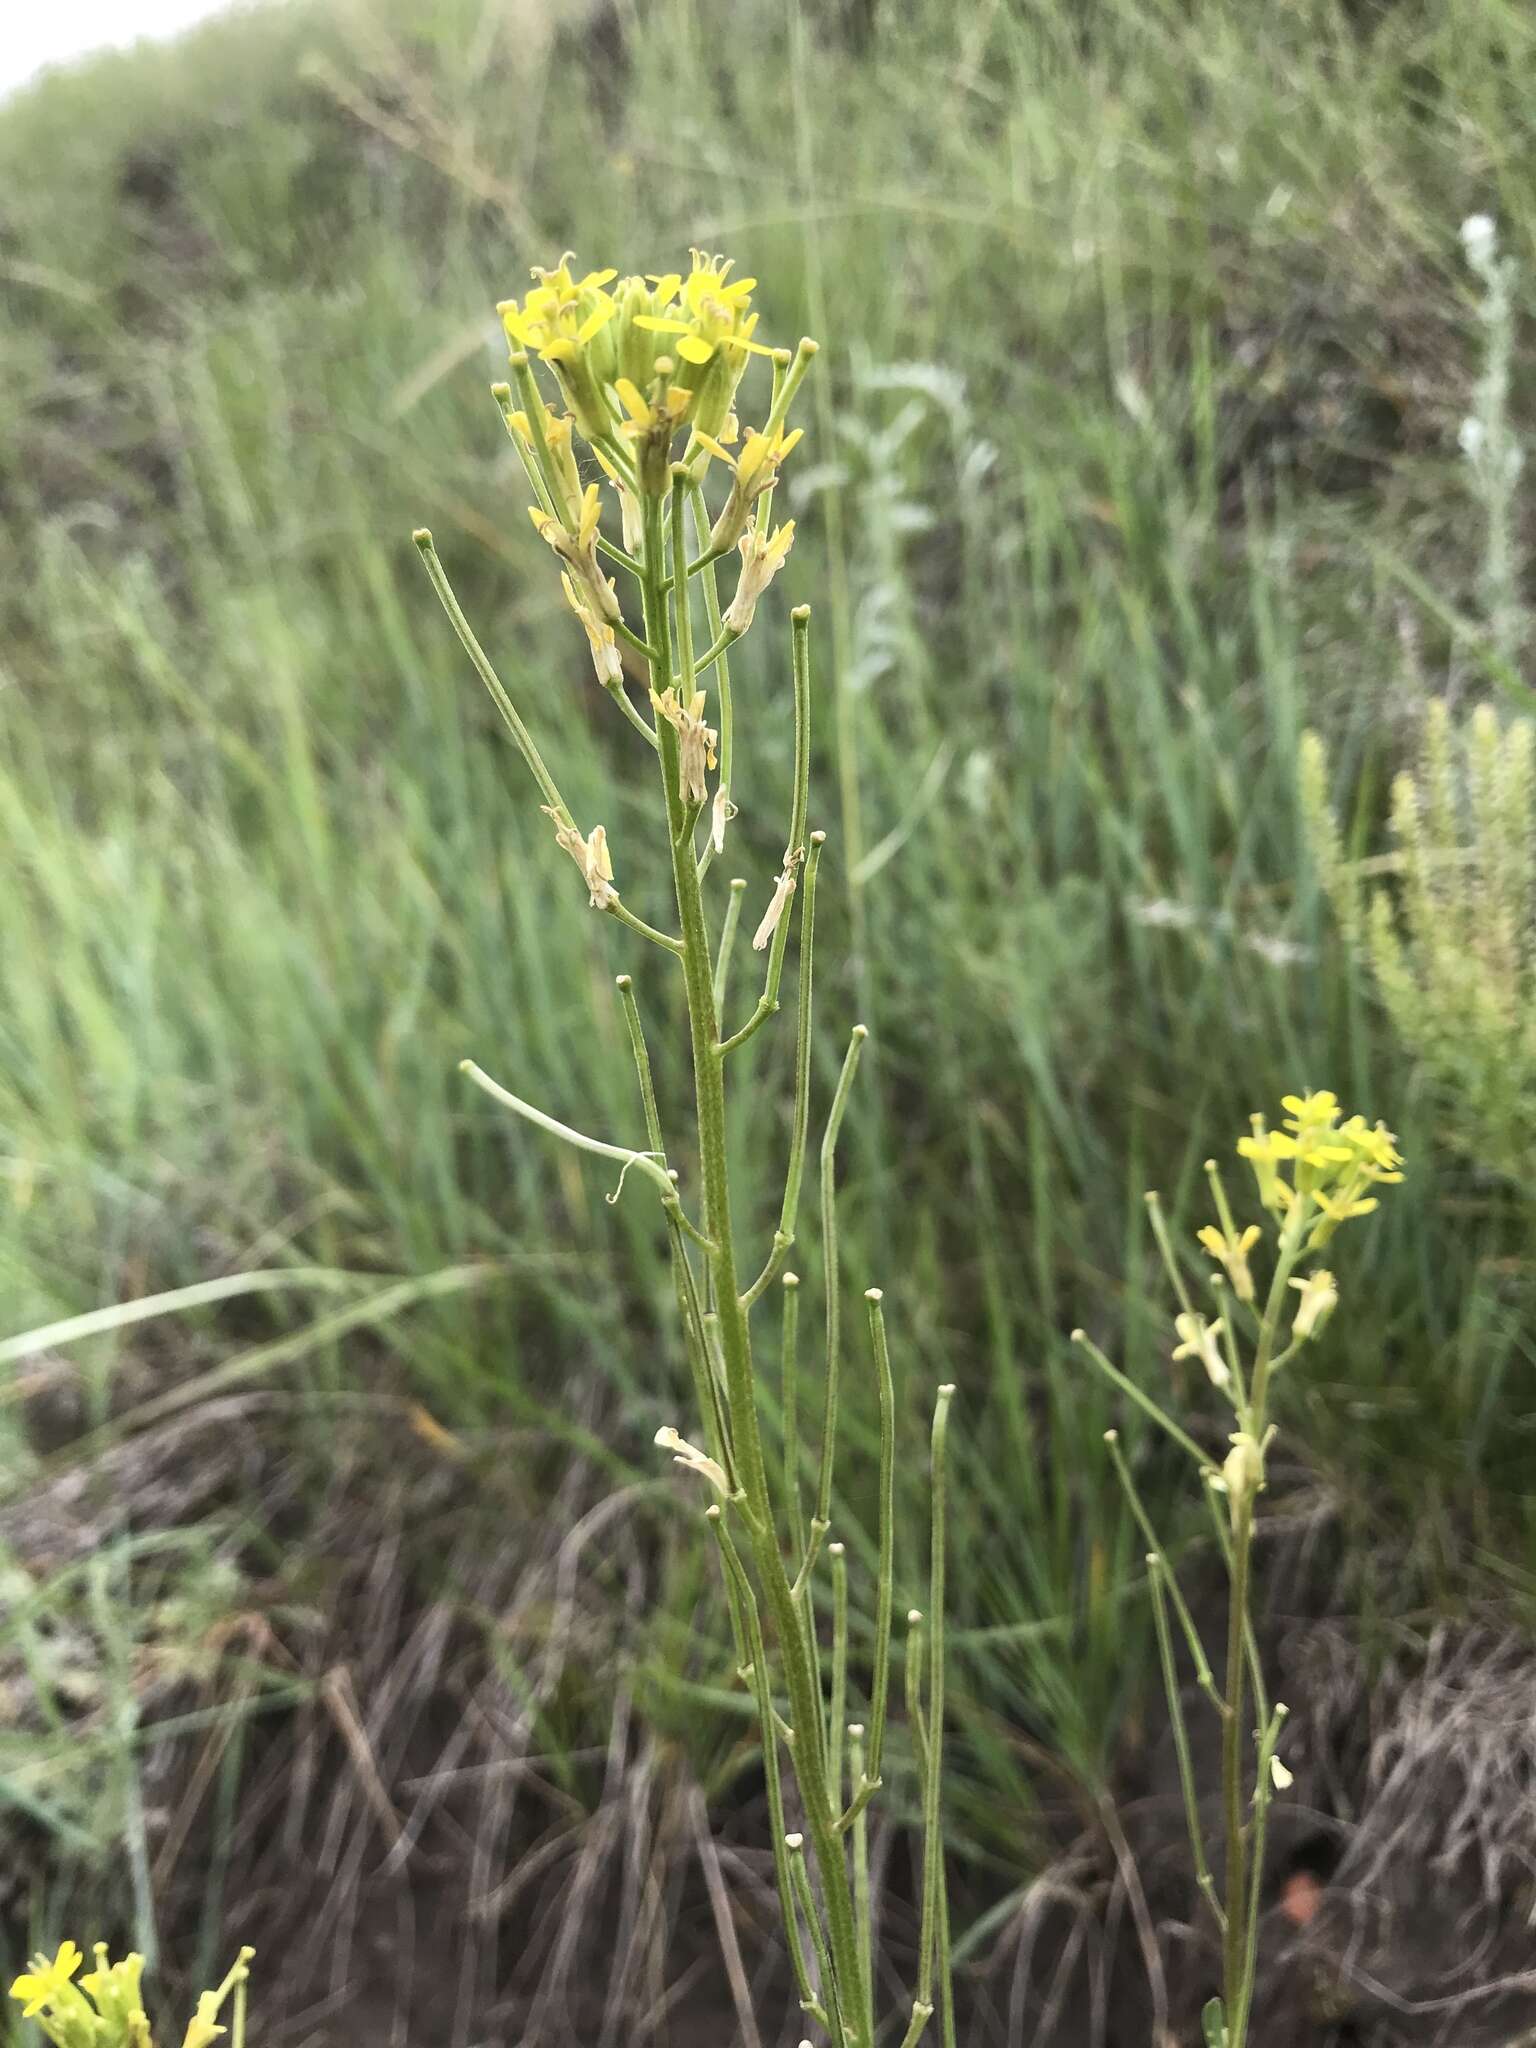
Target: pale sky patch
{"type": "Point", "coordinates": [42, 32]}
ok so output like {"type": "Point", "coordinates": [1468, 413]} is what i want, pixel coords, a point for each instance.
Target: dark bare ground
{"type": "Point", "coordinates": [431, 1849]}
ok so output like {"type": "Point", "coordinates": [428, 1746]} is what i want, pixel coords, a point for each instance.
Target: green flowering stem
{"type": "Point", "coordinates": [806, 1904]}
{"type": "Point", "coordinates": [1263, 1787]}
{"type": "Point", "coordinates": [857, 1772]}
{"type": "Point", "coordinates": [838, 1700]}
{"type": "Point", "coordinates": [830, 1270]}
{"type": "Point", "coordinates": [744, 1606]}
{"type": "Point", "coordinates": [1235, 1942]}
{"type": "Point", "coordinates": [1159, 1224]}
{"type": "Point", "coordinates": [933, 1947]}
{"type": "Point", "coordinates": [1163, 1582]}
{"type": "Point", "coordinates": [886, 1568]}
{"type": "Point", "coordinates": [533, 469]}
{"type": "Point", "coordinates": [801, 1679]}
{"type": "Point", "coordinates": [727, 943]}
{"type": "Point", "coordinates": [514, 724]}
{"type": "Point", "coordinates": [794, 1173]}
{"type": "Point", "coordinates": [532, 404]}
{"type": "Point", "coordinates": [554, 802]}
{"type": "Point", "coordinates": [715, 657]}
{"type": "Point", "coordinates": [794, 849]}
{"type": "Point", "coordinates": [789, 1409]}
{"type": "Point", "coordinates": [705, 1387]}
{"type": "Point", "coordinates": [1143, 1400]}
{"type": "Point", "coordinates": [1203, 1674]}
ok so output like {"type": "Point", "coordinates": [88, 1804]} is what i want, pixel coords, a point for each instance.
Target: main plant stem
{"type": "Point", "coordinates": [1236, 1937]}
{"type": "Point", "coordinates": [1242, 1897]}
{"type": "Point", "coordinates": [755, 1505]}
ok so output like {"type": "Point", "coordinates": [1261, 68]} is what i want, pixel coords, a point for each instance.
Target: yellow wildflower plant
{"type": "Point", "coordinates": [648, 369]}
{"type": "Point", "coordinates": [1314, 1173]}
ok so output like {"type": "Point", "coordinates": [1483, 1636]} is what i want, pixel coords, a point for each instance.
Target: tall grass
{"type": "Point", "coordinates": [1187, 271]}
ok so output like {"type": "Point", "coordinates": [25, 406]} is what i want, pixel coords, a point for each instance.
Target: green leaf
{"type": "Point", "coordinates": [1213, 2025]}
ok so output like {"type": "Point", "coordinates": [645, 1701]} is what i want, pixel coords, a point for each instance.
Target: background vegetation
{"type": "Point", "coordinates": [1158, 334]}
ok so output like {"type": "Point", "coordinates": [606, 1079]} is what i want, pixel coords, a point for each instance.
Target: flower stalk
{"type": "Point", "coordinates": [646, 374]}
{"type": "Point", "coordinates": [1312, 1175]}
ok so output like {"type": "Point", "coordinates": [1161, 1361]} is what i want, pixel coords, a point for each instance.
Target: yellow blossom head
{"type": "Point", "coordinates": [1327, 1166]}
{"type": "Point", "coordinates": [710, 314]}
{"type": "Point", "coordinates": [566, 322]}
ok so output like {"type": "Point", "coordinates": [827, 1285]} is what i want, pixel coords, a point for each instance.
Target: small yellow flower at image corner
{"type": "Point", "coordinates": [41, 1984]}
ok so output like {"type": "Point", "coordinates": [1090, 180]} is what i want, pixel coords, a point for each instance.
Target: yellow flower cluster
{"type": "Point", "coordinates": [105, 2009]}
{"type": "Point", "coordinates": [647, 370]}
{"type": "Point", "coordinates": [598, 342]}
{"type": "Point", "coordinates": [1327, 1165]}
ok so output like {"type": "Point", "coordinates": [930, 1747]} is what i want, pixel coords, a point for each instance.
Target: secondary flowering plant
{"type": "Point", "coordinates": [104, 2007]}
{"type": "Point", "coordinates": [1314, 1174]}
{"type": "Point", "coordinates": [644, 483]}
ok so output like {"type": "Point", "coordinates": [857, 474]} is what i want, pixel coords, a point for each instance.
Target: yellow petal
{"type": "Point", "coordinates": [596, 320]}
{"type": "Point", "coordinates": [653, 324]}
{"type": "Point", "coordinates": [632, 402]}
{"type": "Point", "coordinates": [709, 442]}
{"type": "Point", "coordinates": [693, 350]}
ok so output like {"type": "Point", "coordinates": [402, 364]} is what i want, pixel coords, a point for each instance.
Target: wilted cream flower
{"type": "Point", "coordinates": [1319, 1298]}
{"type": "Point", "coordinates": [761, 561]}
{"type": "Point", "coordinates": [631, 518]}
{"type": "Point", "coordinates": [783, 889]}
{"type": "Point", "coordinates": [591, 856]}
{"type": "Point", "coordinates": [577, 547]}
{"type": "Point", "coordinates": [1242, 1473]}
{"type": "Point", "coordinates": [689, 1455]}
{"type": "Point", "coordinates": [1201, 1340]}
{"type": "Point", "coordinates": [600, 635]}
{"type": "Point", "coordinates": [1279, 1776]}
{"type": "Point", "coordinates": [695, 741]}
{"type": "Point", "coordinates": [721, 813]}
